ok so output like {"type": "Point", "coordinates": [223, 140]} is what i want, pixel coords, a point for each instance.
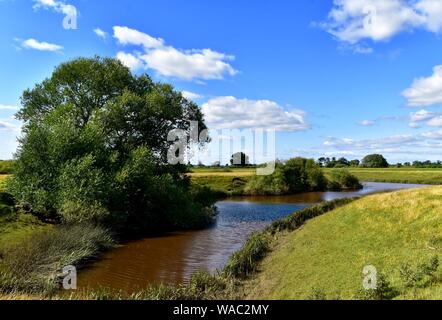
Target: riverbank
{"type": "Point", "coordinates": [21, 232]}
{"type": "Point", "coordinates": [296, 176]}
{"type": "Point", "coordinates": [222, 178]}
{"type": "Point", "coordinates": [397, 175]}
{"type": "Point", "coordinates": [397, 233]}
{"type": "Point", "coordinates": [301, 256]}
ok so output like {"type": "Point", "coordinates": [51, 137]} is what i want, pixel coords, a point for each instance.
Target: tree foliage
{"type": "Point", "coordinates": [94, 147]}
{"type": "Point", "coordinates": [374, 161]}
{"type": "Point", "coordinates": [300, 175]}
{"type": "Point", "coordinates": [240, 159]}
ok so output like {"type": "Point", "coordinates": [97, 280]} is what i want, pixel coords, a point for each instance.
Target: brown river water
{"type": "Point", "coordinates": [172, 258]}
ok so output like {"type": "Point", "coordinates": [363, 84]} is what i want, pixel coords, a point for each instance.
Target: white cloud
{"type": "Point", "coordinates": [168, 61]}
{"type": "Point", "coordinates": [191, 95]}
{"type": "Point", "coordinates": [8, 126]}
{"type": "Point", "coordinates": [100, 33]}
{"type": "Point", "coordinates": [433, 134]}
{"type": "Point", "coordinates": [41, 46]}
{"type": "Point", "coordinates": [8, 107]}
{"type": "Point", "coordinates": [127, 36]}
{"type": "Point", "coordinates": [425, 91]}
{"type": "Point", "coordinates": [421, 115]}
{"type": "Point", "coordinates": [435, 122]}
{"type": "Point", "coordinates": [233, 113]}
{"type": "Point", "coordinates": [367, 123]}
{"type": "Point", "coordinates": [369, 144]}
{"type": "Point", "coordinates": [432, 11]}
{"type": "Point", "coordinates": [352, 21]}
{"type": "Point", "coordinates": [130, 61]}
{"type": "Point", "coordinates": [58, 6]}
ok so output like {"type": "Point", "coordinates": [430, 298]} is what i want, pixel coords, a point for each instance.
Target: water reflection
{"type": "Point", "coordinates": [173, 257]}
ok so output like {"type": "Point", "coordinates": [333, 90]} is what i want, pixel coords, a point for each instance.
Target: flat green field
{"type": "Point", "coordinates": [328, 253]}
{"type": "Point", "coordinates": [398, 175]}
{"type": "Point", "coordinates": [230, 181]}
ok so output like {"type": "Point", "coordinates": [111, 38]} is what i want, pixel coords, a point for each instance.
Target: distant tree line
{"type": "Point", "coordinates": [370, 161]}
{"type": "Point", "coordinates": [374, 161]}
{"type": "Point", "coordinates": [420, 164]}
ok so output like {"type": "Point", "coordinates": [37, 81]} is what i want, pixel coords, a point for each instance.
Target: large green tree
{"type": "Point", "coordinates": [94, 147]}
{"type": "Point", "coordinates": [374, 161]}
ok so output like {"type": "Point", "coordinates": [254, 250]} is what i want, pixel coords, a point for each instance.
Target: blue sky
{"type": "Point", "coordinates": [335, 78]}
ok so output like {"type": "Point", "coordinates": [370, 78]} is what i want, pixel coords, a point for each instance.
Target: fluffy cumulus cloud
{"type": "Point", "coordinates": [168, 61]}
{"type": "Point", "coordinates": [40, 45]}
{"type": "Point", "coordinates": [232, 113]}
{"type": "Point", "coordinates": [426, 91]}
{"type": "Point", "coordinates": [352, 21]}
{"type": "Point", "coordinates": [130, 60]}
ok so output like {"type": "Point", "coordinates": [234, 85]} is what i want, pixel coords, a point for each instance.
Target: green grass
{"type": "Point", "coordinates": [35, 264]}
{"type": "Point", "coordinates": [6, 166]}
{"type": "Point", "coordinates": [328, 253]}
{"type": "Point", "coordinates": [16, 227]}
{"type": "Point", "coordinates": [3, 178]}
{"type": "Point", "coordinates": [223, 185]}
{"type": "Point", "coordinates": [32, 253]}
{"type": "Point", "coordinates": [213, 170]}
{"type": "Point", "coordinates": [398, 175]}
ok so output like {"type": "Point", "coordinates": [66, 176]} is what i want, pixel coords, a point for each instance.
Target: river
{"type": "Point", "coordinates": [172, 258]}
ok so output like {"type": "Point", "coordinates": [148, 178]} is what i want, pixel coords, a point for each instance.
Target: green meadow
{"type": "Point", "coordinates": [398, 233]}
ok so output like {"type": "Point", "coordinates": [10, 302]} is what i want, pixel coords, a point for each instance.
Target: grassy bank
{"type": "Point", "coordinates": [398, 175]}
{"type": "Point", "coordinates": [398, 233]}
{"type": "Point", "coordinates": [33, 253]}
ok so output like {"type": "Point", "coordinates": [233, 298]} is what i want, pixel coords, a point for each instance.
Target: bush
{"type": "Point", "coordinates": [296, 175]}
{"type": "Point", "coordinates": [423, 274]}
{"type": "Point", "coordinates": [7, 199]}
{"type": "Point", "coordinates": [383, 291]}
{"type": "Point", "coordinates": [274, 184]}
{"type": "Point", "coordinates": [343, 180]}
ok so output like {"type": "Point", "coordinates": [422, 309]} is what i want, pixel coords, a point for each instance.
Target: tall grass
{"type": "Point", "coordinates": [34, 265]}
{"type": "Point", "coordinates": [245, 261]}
